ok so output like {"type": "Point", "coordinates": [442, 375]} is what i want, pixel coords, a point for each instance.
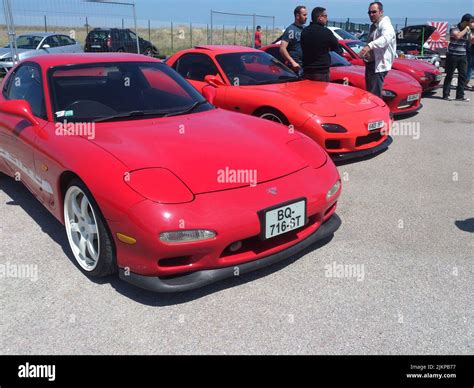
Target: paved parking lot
{"type": "Point", "coordinates": [408, 224]}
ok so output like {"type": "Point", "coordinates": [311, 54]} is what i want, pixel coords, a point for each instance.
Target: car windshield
{"type": "Point", "coordinates": [356, 46]}
{"type": "Point", "coordinates": [254, 68]}
{"type": "Point", "coordinates": [29, 42]}
{"type": "Point", "coordinates": [121, 90]}
{"type": "Point", "coordinates": [337, 60]}
{"type": "Point", "coordinates": [344, 34]}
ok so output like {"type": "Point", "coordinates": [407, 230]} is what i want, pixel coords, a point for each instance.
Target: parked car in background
{"type": "Point", "coordinates": [118, 40]}
{"type": "Point", "coordinates": [402, 93]}
{"type": "Point", "coordinates": [37, 43]}
{"type": "Point", "coordinates": [346, 121]}
{"type": "Point", "coordinates": [428, 75]}
{"type": "Point", "coordinates": [339, 33]}
{"type": "Point", "coordinates": [411, 44]}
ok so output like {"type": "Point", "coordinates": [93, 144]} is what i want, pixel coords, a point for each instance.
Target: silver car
{"type": "Point", "coordinates": [38, 43]}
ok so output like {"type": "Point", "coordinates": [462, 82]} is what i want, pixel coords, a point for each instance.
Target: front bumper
{"type": "Point", "coordinates": [359, 154]}
{"type": "Point", "coordinates": [190, 281]}
{"type": "Point", "coordinates": [408, 111]}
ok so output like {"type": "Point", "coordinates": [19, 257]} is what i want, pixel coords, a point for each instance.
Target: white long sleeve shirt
{"type": "Point", "coordinates": [384, 45]}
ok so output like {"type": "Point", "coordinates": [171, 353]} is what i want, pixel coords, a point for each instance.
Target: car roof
{"type": "Point", "coordinates": [84, 58]}
{"type": "Point", "coordinates": [42, 34]}
{"type": "Point", "coordinates": [226, 48]}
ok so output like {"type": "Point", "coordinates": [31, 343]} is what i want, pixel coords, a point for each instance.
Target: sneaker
{"type": "Point", "coordinates": [447, 98]}
{"type": "Point", "coordinates": [464, 99]}
{"type": "Point", "coordinates": [469, 87]}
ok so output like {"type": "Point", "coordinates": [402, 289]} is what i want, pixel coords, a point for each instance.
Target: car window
{"type": "Point", "coordinates": [344, 34]}
{"type": "Point", "coordinates": [98, 35]}
{"type": "Point", "coordinates": [29, 42]}
{"type": "Point", "coordinates": [132, 35]}
{"type": "Point", "coordinates": [26, 84]}
{"type": "Point", "coordinates": [52, 41]}
{"type": "Point", "coordinates": [337, 60]}
{"type": "Point", "coordinates": [66, 40]}
{"type": "Point", "coordinates": [356, 46]}
{"type": "Point", "coordinates": [93, 92]}
{"type": "Point", "coordinates": [195, 66]}
{"type": "Point", "coordinates": [275, 52]}
{"type": "Point", "coordinates": [254, 68]}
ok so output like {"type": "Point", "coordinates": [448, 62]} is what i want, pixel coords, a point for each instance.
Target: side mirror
{"type": "Point", "coordinates": [346, 56]}
{"type": "Point", "coordinates": [214, 80]}
{"type": "Point", "coordinates": [19, 108]}
{"type": "Point", "coordinates": [209, 93]}
{"type": "Point", "coordinates": [46, 46]}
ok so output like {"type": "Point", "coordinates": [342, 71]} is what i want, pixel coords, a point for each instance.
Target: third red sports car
{"type": "Point", "coordinates": [346, 121]}
{"type": "Point", "coordinates": [428, 75]}
{"type": "Point", "coordinates": [402, 93]}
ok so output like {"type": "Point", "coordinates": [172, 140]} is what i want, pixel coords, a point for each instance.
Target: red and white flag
{"type": "Point", "coordinates": [438, 38]}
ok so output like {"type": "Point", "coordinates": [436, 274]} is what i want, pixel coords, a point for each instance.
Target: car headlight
{"type": "Point", "coordinates": [334, 128]}
{"type": "Point", "coordinates": [333, 190]}
{"type": "Point", "coordinates": [158, 185]}
{"type": "Point", "coordinates": [184, 236]}
{"type": "Point", "coordinates": [388, 93]}
{"type": "Point", "coordinates": [7, 59]}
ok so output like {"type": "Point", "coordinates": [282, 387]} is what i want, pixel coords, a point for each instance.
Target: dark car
{"type": "Point", "coordinates": [117, 40]}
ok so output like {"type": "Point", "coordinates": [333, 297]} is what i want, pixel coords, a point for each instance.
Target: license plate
{"type": "Point", "coordinates": [376, 125]}
{"type": "Point", "coordinates": [438, 77]}
{"type": "Point", "coordinates": [283, 219]}
{"type": "Point", "coordinates": [96, 46]}
{"type": "Point", "coordinates": [413, 97]}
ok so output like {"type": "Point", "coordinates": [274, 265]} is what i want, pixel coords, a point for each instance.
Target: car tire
{"type": "Point", "coordinates": [148, 52]}
{"type": "Point", "coordinates": [272, 115]}
{"type": "Point", "coordinates": [88, 235]}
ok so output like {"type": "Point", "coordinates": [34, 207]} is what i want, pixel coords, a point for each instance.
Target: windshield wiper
{"type": "Point", "coordinates": [134, 113]}
{"type": "Point", "coordinates": [278, 81]}
{"type": "Point", "coordinates": [187, 110]}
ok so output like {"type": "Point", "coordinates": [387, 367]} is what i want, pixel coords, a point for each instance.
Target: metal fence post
{"type": "Point", "coordinates": [211, 26]}
{"type": "Point", "coordinates": [45, 24]}
{"type": "Point", "coordinates": [149, 30]}
{"type": "Point", "coordinates": [191, 33]}
{"type": "Point", "coordinates": [171, 36]}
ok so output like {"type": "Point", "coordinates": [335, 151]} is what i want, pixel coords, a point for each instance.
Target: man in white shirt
{"type": "Point", "coordinates": [381, 48]}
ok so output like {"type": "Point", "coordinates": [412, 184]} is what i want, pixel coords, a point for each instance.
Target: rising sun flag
{"type": "Point", "coordinates": [438, 38]}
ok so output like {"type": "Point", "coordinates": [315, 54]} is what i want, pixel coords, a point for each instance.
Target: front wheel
{"type": "Point", "coordinates": [272, 115]}
{"type": "Point", "coordinates": [87, 233]}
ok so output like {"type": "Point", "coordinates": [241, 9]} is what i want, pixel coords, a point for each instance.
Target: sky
{"type": "Point", "coordinates": [198, 10]}
{"type": "Point", "coordinates": [74, 12]}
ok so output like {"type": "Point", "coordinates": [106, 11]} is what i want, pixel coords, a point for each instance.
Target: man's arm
{"type": "Point", "coordinates": [388, 34]}
{"type": "Point", "coordinates": [333, 42]}
{"type": "Point", "coordinates": [284, 53]}
{"type": "Point", "coordinates": [456, 34]}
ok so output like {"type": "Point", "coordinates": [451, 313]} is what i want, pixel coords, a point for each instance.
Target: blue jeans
{"type": "Point", "coordinates": [470, 66]}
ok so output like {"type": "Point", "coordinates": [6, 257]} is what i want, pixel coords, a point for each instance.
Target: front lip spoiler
{"type": "Point", "coordinates": [187, 282]}
{"type": "Point", "coordinates": [362, 153]}
{"type": "Point", "coordinates": [407, 112]}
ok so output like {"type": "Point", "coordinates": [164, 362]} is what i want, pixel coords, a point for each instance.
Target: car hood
{"type": "Point", "coordinates": [5, 52]}
{"type": "Point", "coordinates": [416, 65]}
{"type": "Point", "coordinates": [415, 33]}
{"type": "Point", "coordinates": [200, 146]}
{"type": "Point", "coordinates": [321, 98]}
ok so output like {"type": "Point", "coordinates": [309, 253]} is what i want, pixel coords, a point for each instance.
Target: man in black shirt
{"type": "Point", "coordinates": [316, 42]}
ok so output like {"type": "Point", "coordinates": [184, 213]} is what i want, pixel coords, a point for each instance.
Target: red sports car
{"type": "Point", "coordinates": [153, 181]}
{"type": "Point", "coordinates": [428, 75]}
{"type": "Point", "coordinates": [402, 93]}
{"type": "Point", "coordinates": [346, 121]}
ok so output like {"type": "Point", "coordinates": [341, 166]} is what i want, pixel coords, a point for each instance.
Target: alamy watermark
{"type": "Point", "coordinates": [345, 271]}
{"type": "Point", "coordinates": [65, 128]}
{"type": "Point", "coordinates": [230, 175]}
{"type": "Point", "coordinates": [19, 271]}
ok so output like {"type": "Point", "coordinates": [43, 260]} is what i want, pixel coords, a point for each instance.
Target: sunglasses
{"type": "Point", "coordinates": [372, 12]}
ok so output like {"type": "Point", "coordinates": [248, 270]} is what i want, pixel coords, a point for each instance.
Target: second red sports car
{"type": "Point", "coordinates": [346, 121]}
{"type": "Point", "coordinates": [402, 93]}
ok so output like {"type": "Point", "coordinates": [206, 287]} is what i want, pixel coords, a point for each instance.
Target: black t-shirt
{"type": "Point", "coordinates": [292, 35]}
{"type": "Point", "coordinates": [316, 42]}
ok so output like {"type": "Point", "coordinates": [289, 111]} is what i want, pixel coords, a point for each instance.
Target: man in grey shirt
{"type": "Point", "coordinates": [290, 48]}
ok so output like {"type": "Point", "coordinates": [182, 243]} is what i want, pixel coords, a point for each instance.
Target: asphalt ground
{"type": "Point", "coordinates": [407, 232]}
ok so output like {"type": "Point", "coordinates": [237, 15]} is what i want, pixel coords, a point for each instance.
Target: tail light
{"type": "Point", "coordinates": [109, 41]}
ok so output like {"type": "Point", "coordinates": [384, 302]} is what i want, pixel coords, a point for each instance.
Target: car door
{"type": "Point", "coordinates": [54, 45]}
{"type": "Point", "coordinates": [17, 135]}
{"type": "Point", "coordinates": [195, 67]}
